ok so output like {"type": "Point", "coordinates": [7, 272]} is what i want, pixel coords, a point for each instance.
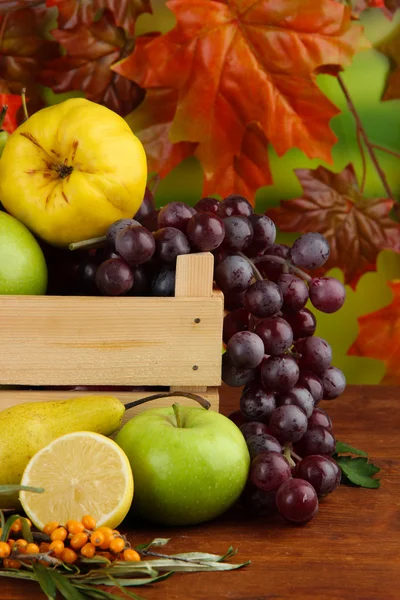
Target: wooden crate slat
{"type": "Point", "coordinates": [194, 277]}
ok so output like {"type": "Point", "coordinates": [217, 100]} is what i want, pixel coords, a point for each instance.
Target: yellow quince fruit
{"type": "Point", "coordinates": [71, 170]}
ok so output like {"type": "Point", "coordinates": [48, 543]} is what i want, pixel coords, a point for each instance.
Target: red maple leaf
{"type": "Point", "coordinates": [357, 228]}
{"type": "Point", "coordinates": [14, 103]}
{"type": "Point", "coordinates": [391, 47]}
{"type": "Point", "coordinates": [74, 12]}
{"type": "Point", "coordinates": [237, 63]}
{"type": "Point", "coordinates": [90, 52]}
{"type": "Point", "coordinates": [379, 337]}
{"type": "Point", "coordinates": [7, 6]}
{"type": "Point", "coordinates": [126, 12]}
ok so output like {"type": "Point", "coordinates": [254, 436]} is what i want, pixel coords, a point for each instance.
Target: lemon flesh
{"type": "Point", "coordinates": [82, 473]}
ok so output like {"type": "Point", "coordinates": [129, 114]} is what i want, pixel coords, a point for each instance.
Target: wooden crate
{"type": "Point", "coordinates": [127, 341]}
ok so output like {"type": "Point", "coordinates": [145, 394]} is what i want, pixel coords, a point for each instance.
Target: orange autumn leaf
{"type": "Point", "coordinates": [379, 337]}
{"type": "Point", "coordinates": [239, 63]}
{"type": "Point", "coordinates": [14, 103]}
{"type": "Point", "coordinates": [357, 228]}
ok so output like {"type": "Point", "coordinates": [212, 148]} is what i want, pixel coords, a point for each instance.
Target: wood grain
{"type": "Point", "coordinates": [350, 551]}
{"type": "Point", "coordinates": [194, 277]}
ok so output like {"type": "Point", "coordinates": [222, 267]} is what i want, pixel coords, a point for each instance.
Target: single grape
{"type": "Point", "coordinates": [317, 440]}
{"type": "Point", "coordinates": [297, 501]}
{"type": "Point", "coordinates": [150, 221]}
{"type": "Point", "coordinates": [170, 243]}
{"type": "Point", "coordinates": [207, 205]}
{"type": "Point", "coordinates": [312, 383]}
{"type": "Point", "coordinates": [281, 250]}
{"type": "Point", "coordinates": [114, 277]}
{"type": "Point", "coordinates": [233, 300]}
{"type": "Point", "coordinates": [253, 428]}
{"type": "Point", "coordinates": [321, 471]}
{"type": "Point", "coordinates": [310, 251]}
{"type": "Point", "coordinates": [263, 442]}
{"type": "Point", "coordinates": [303, 323]}
{"type": "Point", "coordinates": [294, 292]}
{"type": "Point", "coordinates": [147, 207]}
{"type": "Point", "coordinates": [319, 418]}
{"type": "Point", "coordinates": [87, 276]}
{"type": "Point", "coordinates": [175, 214]}
{"type": "Point", "coordinates": [235, 205]}
{"type": "Point", "coordinates": [299, 396]}
{"type": "Point", "coordinates": [276, 335]}
{"type": "Point", "coordinates": [117, 227]}
{"type": "Point", "coordinates": [264, 235]}
{"type": "Point", "coordinates": [257, 403]}
{"type": "Point", "coordinates": [333, 383]}
{"type": "Point", "coordinates": [263, 299]}
{"type": "Point", "coordinates": [316, 354]}
{"type": "Point", "coordinates": [235, 321]}
{"type": "Point", "coordinates": [237, 417]}
{"type": "Point", "coordinates": [269, 470]}
{"type": "Point", "coordinates": [141, 282]}
{"type": "Point", "coordinates": [288, 423]}
{"type": "Point", "coordinates": [235, 376]}
{"type": "Point", "coordinates": [327, 294]}
{"type": "Point", "coordinates": [279, 373]}
{"type": "Point", "coordinates": [238, 233]}
{"type": "Point", "coordinates": [258, 502]}
{"type": "Point", "coordinates": [245, 350]}
{"type": "Point", "coordinates": [136, 245]}
{"type": "Point", "coordinates": [233, 274]}
{"type": "Point", "coordinates": [206, 231]}
{"type": "Point", "coordinates": [163, 281]}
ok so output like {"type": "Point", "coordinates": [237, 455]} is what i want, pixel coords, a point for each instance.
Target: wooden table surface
{"type": "Point", "coordinates": [349, 551]}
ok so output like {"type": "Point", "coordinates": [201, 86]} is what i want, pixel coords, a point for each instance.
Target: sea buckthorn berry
{"type": "Point", "coordinates": [88, 550]}
{"type": "Point", "coordinates": [16, 526]}
{"type": "Point", "coordinates": [97, 538]}
{"type": "Point", "coordinates": [50, 527]}
{"type": "Point", "coordinates": [68, 556]}
{"type": "Point", "coordinates": [44, 547]}
{"type": "Point", "coordinates": [117, 545]}
{"type": "Point", "coordinates": [131, 555]}
{"type": "Point", "coordinates": [32, 549]}
{"type": "Point", "coordinates": [89, 522]}
{"type": "Point", "coordinates": [9, 563]}
{"type": "Point", "coordinates": [4, 550]}
{"type": "Point", "coordinates": [56, 547]}
{"type": "Point", "coordinates": [78, 540]}
{"type": "Point", "coordinates": [21, 546]}
{"type": "Point", "coordinates": [59, 534]}
{"type": "Point", "coordinates": [74, 527]}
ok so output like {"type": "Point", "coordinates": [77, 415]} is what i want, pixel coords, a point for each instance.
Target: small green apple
{"type": "Point", "coordinates": [23, 267]}
{"type": "Point", "coordinates": [189, 464]}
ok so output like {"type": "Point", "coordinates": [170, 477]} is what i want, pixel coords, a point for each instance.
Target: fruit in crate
{"type": "Point", "coordinates": [22, 265]}
{"type": "Point", "coordinates": [189, 465]}
{"type": "Point", "coordinates": [81, 472]}
{"type": "Point", "coordinates": [71, 170]}
{"type": "Point", "coordinates": [39, 423]}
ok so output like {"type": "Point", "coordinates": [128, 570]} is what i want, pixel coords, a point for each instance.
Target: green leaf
{"type": "Point", "coordinates": [2, 520]}
{"type": "Point", "coordinates": [343, 448]}
{"type": "Point", "coordinates": [99, 594]}
{"type": "Point", "coordinates": [45, 581]}
{"type": "Point", "coordinates": [9, 489]}
{"type": "Point", "coordinates": [135, 581]}
{"type": "Point", "coordinates": [155, 542]}
{"type": "Point", "coordinates": [116, 583]}
{"type": "Point", "coordinates": [359, 471]}
{"type": "Point", "coordinates": [6, 529]}
{"type": "Point", "coordinates": [26, 531]}
{"type": "Point", "coordinates": [65, 587]}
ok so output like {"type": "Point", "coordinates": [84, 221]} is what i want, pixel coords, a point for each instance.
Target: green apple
{"type": "Point", "coordinates": [189, 464]}
{"type": "Point", "coordinates": [23, 268]}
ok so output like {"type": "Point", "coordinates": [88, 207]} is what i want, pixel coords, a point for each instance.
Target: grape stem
{"type": "Point", "coordinates": [294, 455]}
{"type": "Point", "coordinates": [87, 244]}
{"type": "Point", "coordinates": [287, 453]}
{"type": "Point", "coordinates": [283, 261]}
{"type": "Point", "coordinates": [256, 272]}
{"type": "Point", "coordinates": [204, 403]}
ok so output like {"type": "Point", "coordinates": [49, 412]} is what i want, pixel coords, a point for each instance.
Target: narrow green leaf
{"type": "Point", "coordinates": [343, 448]}
{"type": "Point", "coordinates": [359, 471]}
{"type": "Point", "coordinates": [167, 564]}
{"type": "Point", "coordinates": [2, 520]}
{"type": "Point", "coordinates": [100, 594]}
{"type": "Point", "coordinates": [45, 581]}
{"type": "Point", "coordinates": [9, 489]}
{"type": "Point", "coordinates": [65, 587]}
{"type": "Point", "coordinates": [6, 529]}
{"type": "Point", "coordinates": [95, 560]}
{"type": "Point", "coordinates": [155, 542]}
{"type": "Point", "coordinates": [135, 581]}
{"type": "Point", "coordinates": [116, 583]}
{"type": "Point", "coordinates": [17, 574]}
{"type": "Point", "coordinates": [26, 531]}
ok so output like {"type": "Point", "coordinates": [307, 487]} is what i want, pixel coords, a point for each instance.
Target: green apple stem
{"type": "Point", "coordinates": [177, 412]}
{"type": "Point", "coordinates": [3, 115]}
{"type": "Point", "coordinates": [96, 242]}
{"type": "Point", "coordinates": [202, 401]}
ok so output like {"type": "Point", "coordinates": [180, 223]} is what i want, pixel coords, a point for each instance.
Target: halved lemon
{"type": "Point", "coordinates": [82, 473]}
